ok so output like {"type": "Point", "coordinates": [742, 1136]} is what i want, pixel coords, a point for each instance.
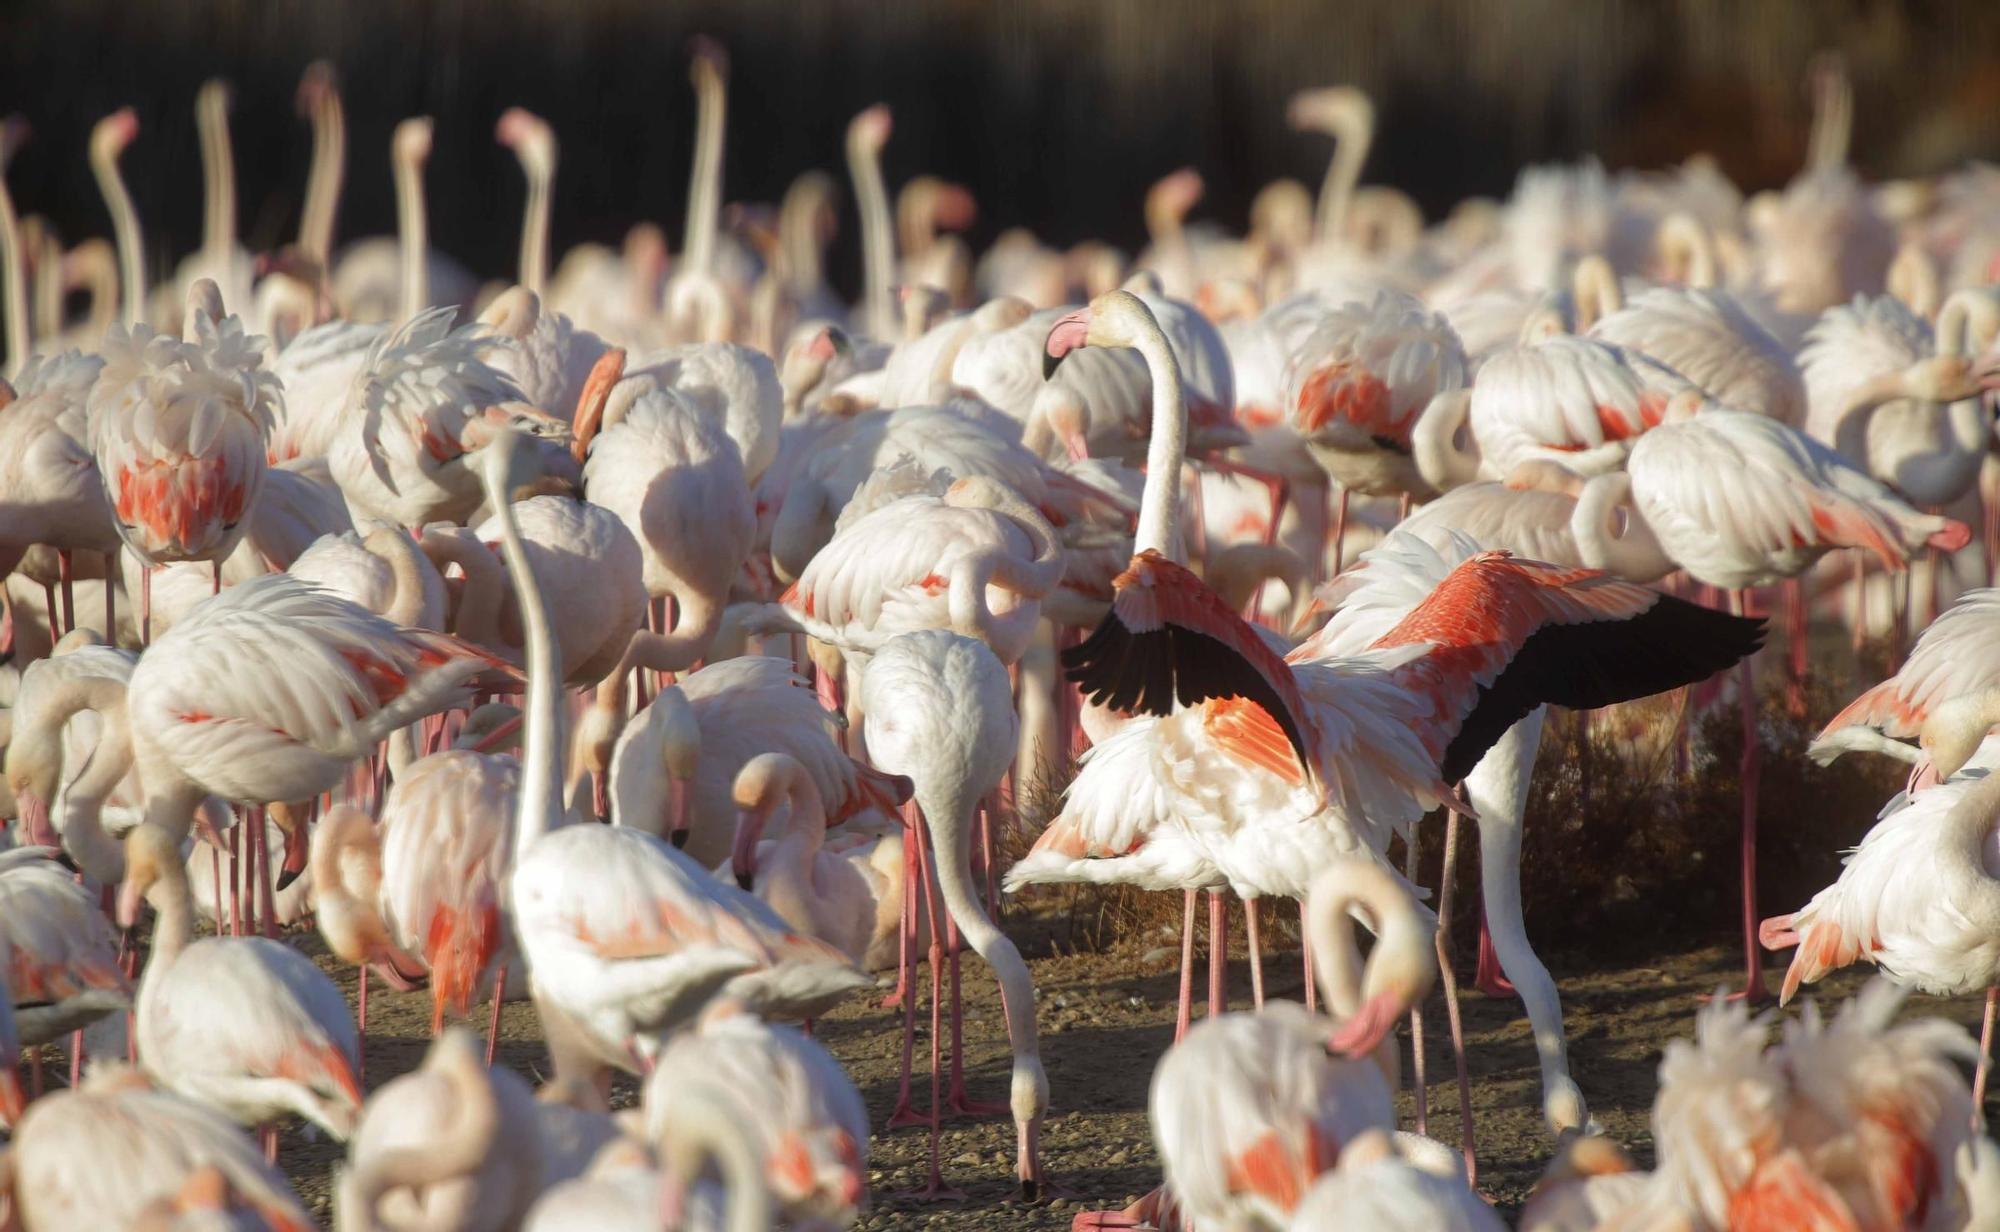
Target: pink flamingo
{"type": "Point", "coordinates": [246, 1025]}
{"type": "Point", "coordinates": [632, 947]}
{"type": "Point", "coordinates": [849, 897]}
{"type": "Point", "coordinates": [1740, 500]}
{"type": "Point", "coordinates": [800, 1109]}
{"type": "Point", "coordinates": [160, 1141]}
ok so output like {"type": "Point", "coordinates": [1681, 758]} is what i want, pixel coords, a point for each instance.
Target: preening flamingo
{"type": "Point", "coordinates": [848, 896]}
{"type": "Point", "coordinates": [99, 1156]}
{"type": "Point", "coordinates": [1936, 693]}
{"type": "Point", "coordinates": [246, 1025]}
{"type": "Point", "coordinates": [800, 1109]}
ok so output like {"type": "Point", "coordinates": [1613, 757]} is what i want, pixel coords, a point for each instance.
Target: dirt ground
{"type": "Point", "coordinates": [1105, 1018]}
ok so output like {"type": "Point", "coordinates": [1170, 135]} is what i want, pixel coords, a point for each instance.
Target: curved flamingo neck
{"type": "Point", "coordinates": [1159, 504]}
{"type": "Point", "coordinates": [173, 903]}
{"type": "Point", "coordinates": [535, 221]}
{"type": "Point", "coordinates": [219, 175]}
{"type": "Point", "coordinates": [323, 181]}
{"type": "Point", "coordinates": [412, 230]}
{"type": "Point", "coordinates": [539, 806]}
{"type": "Point", "coordinates": [1635, 555]}
{"type": "Point", "coordinates": [13, 284]}
{"type": "Point", "coordinates": [1401, 949]}
{"type": "Point", "coordinates": [125, 227]}
{"type": "Point", "coordinates": [394, 548]}
{"type": "Point", "coordinates": [1336, 194]}
{"type": "Point", "coordinates": [705, 180]}
{"type": "Point", "coordinates": [707, 1128]}
{"type": "Point", "coordinates": [877, 240]}
{"type": "Point", "coordinates": [798, 233]}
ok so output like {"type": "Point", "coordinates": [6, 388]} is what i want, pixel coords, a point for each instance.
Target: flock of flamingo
{"type": "Point", "coordinates": [669, 643]}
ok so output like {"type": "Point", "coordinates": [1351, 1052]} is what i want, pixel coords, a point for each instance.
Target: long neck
{"type": "Point", "coordinates": [173, 900]}
{"type": "Point", "coordinates": [125, 227]}
{"type": "Point", "coordinates": [411, 226]}
{"type": "Point", "coordinates": [535, 224]}
{"type": "Point", "coordinates": [948, 812]}
{"type": "Point", "coordinates": [798, 235]}
{"type": "Point", "coordinates": [877, 242]}
{"type": "Point", "coordinates": [219, 173]}
{"type": "Point", "coordinates": [1636, 554]}
{"type": "Point", "coordinates": [540, 801]}
{"type": "Point", "coordinates": [707, 1127]}
{"type": "Point", "coordinates": [705, 181]}
{"type": "Point", "coordinates": [1969, 823]}
{"type": "Point", "coordinates": [1336, 194]}
{"type": "Point", "coordinates": [462, 1151]}
{"type": "Point", "coordinates": [406, 568]}
{"type": "Point", "coordinates": [329, 169]}
{"type": "Point", "coordinates": [479, 602]}
{"type": "Point", "coordinates": [1434, 441]}
{"type": "Point", "coordinates": [13, 284]}
{"type": "Point", "coordinates": [1159, 505]}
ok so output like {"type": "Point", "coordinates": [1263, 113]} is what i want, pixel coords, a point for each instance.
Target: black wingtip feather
{"type": "Point", "coordinates": [1147, 673]}
{"type": "Point", "coordinates": [1599, 663]}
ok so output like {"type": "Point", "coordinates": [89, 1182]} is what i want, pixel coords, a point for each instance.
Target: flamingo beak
{"type": "Point", "coordinates": [1360, 1035]}
{"type": "Point", "coordinates": [680, 808]}
{"type": "Point", "coordinates": [600, 794]}
{"type": "Point", "coordinates": [1066, 335]}
{"type": "Point", "coordinates": [35, 830]}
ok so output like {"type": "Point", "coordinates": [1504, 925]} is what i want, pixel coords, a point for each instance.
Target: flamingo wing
{"type": "Point", "coordinates": [1169, 639]}
{"type": "Point", "coordinates": [1957, 655]}
{"type": "Point", "coordinates": [1508, 635]}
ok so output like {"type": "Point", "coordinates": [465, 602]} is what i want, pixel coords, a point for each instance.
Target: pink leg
{"type": "Point", "coordinates": [64, 571]}
{"type": "Point", "coordinates": [493, 1026]}
{"type": "Point", "coordinates": [1751, 772]}
{"type": "Point", "coordinates": [1184, 1012]}
{"type": "Point", "coordinates": [215, 883]}
{"type": "Point", "coordinates": [906, 924]}
{"type": "Point", "coordinates": [1490, 979]}
{"type": "Point", "coordinates": [918, 839]}
{"type": "Point", "coordinates": [1340, 533]}
{"type": "Point", "coordinates": [266, 895]}
{"type": "Point", "coordinates": [1450, 980]}
{"type": "Point", "coordinates": [75, 1059]}
{"type": "Point", "coordinates": [1796, 633]}
{"type": "Point", "coordinates": [145, 604]}
{"type": "Point", "coordinates": [1306, 959]}
{"type": "Point", "coordinates": [235, 877]}
{"type": "Point", "coordinates": [1419, 1089]}
{"type": "Point", "coordinates": [268, 1134]}
{"type": "Point", "coordinates": [958, 1103]}
{"type": "Point", "coordinates": [1218, 952]}
{"type": "Point", "coordinates": [1256, 957]}
{"type": "Point", "coordinates": [1985, 1051]}
{"type": "Point", "coordinates": [935, 1190]}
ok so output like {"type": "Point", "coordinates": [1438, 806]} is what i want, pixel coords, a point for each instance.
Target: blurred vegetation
{"type": "Point", "coordinates": [1057, 113]}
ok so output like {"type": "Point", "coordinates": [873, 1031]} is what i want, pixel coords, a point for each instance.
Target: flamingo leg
{"type": "Point", "coordinates": [1339, 534]}
{"type": "Point", "coordinates": [1419, 1090]}
{"type": "Point", "coordinates": [268, 1135]}
{"type": "Point", "coordinates": [1985, 1062]}
{"type": "Point", "coordinates": [916, 841]}
{"type": "Point", "coordinates": [110, 597]}
{"type": "Point", "coordinates": [76, 1059]}
{"type": "Point", "coordinates": [215, 883]}
{"type": "Point", "coordinates": [1218, 952]}
{"type": "Point", "coordinates": [145, 604]}
{"type": "Point", "coordinates": [1306, 958]}
{"type": "Point", "coordinates": [65, 571]}
{"type": "Point", "coordinates": [235, 877]}
{"type": "Point", "coordinates": [361, 1018]}
{"type": "Point", "coordinates": [935, 1190]}
{"type": "Point", "coordinates": [1184, 1011]}
{"type": "Point", "coordinates": [1751, 771]}
{"type": "Point", "coordinates": [1858, 612]}
{"type": "Point", "coordinates": [1796, 633]}
{"type": "Point", "coordinates": [267, 903]}
{"type": "Point", "coordinates": [54, 612]}
{"type": "Point", "coordinates": [493, 1026]}
{"type": "Point", "coordinates": [1256, 957]}
{"type": "Point", "coordinates": [958, 1103]}
{"type": "Point", "coordinates": [1450, 980]}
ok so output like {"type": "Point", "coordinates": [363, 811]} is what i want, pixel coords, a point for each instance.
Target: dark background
{"type": "Point", "coordinates": [1057, 113]}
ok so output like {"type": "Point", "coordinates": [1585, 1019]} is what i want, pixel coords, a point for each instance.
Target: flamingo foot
{"type": "Point", "coordinates": [1754, 993]}
{"type": "Point", "coordinates": [934, 1190]}
{"type": "Point", "coordinates": [1153, 1211]}
{"type": "Point", "coordinates": [906, 1114]}
{"type": "Point", "coordinates": [961, 1104]}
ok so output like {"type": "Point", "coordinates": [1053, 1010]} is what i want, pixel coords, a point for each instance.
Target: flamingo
{"type": "Point", "coordinates": [51, 491]}
{"type": "Point", "coordinates": [220, 259]}
{"type": "Point", "coordinates": [60, 954]}
{"type": "Point", "coordinates": [319, 101]}
{"type": "Point", "coordinates": [56, 1176]}
{"type": "Point", "coordinates": [1571, 400]}
{"type": "Point", "coordinates": [237, 703]}
{"type": "Point", "coordinates": [867, 133]}
{"type": "Point", "coordinates": [674, 769]}
{"type": "Point", "coordinates": [452, 1143]}
{"type": "Point", "coordinates": [384, 573]}
{"type": "Point", "coordinates": [66, 767]}
{"type": "Point", "coordinates": [1308, 727]}
{"type": "Point", "coordinates": [178, 430]}
{"type": "Point", "coordinates": [109, 138]}
{"type": "Point", "coordinates": [798, 1106]}
{"type": "Point", "coordinates": [1249, 1109]}
{"type": "Point", "coordinates": [394, 280]}
{"type": "Point", "coordinates": [1740, 500]}
{"type": "Point", "coordinates": [246, 1025]}
{"type": "Point", "coordinates": [615, 963]}
{"type": "Point", "coordinates": [846, 897]}
{"type": "Point", "coordinates": [1955, 662]}
{"type": "Point", "coordinates": [940, 711]}
{"type": "Point", "coordinates": [1853, 1123]}
{"type": "Point", "coordinates": [1384, 1186]}
{"type": "Point", "coordinates": [1706, 336]}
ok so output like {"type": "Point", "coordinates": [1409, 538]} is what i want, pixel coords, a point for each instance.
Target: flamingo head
{"type": "Point", "coordinates": [113, 133]}
{"type": "Point", "coordinates": [412, 141]}
{"type": "Point", "coordinates": [34, 766]}
{"type": "Point", "coordinates": [869, 131]}
{"type": "Point", "coordinates": [317, 88]}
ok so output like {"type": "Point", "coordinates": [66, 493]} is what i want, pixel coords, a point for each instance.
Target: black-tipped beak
{"type": "Point", "coordinates": [63, 858]}
{"type": "Point", "coordinates": [1049, 364]}
{"type": "Point", "coordinates": [744, 881]}
{"type": "Point", "coordinates": [678, 838]}
{"type": "Point", "coordinates": [286, 878]}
